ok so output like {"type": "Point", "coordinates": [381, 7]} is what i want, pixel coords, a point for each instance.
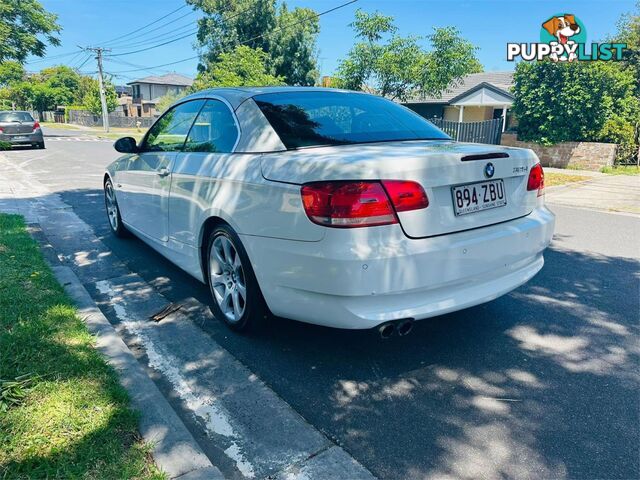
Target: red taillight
{"type": "Point", "coordinates": [36, 126]}
{"type": "Point", "coordinates": [536, 179]}
{"type": "Point", "coordinates": [1, 130]}
{"type": "Point", "coordinates": [406, 195]}
{"type": "Point", "coordinates": [360, 203]}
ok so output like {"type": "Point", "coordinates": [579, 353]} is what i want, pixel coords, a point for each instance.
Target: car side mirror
{"type": "Point", "coordinates": [126, 145]}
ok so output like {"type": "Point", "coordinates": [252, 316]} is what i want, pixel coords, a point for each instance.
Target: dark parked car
{"type": "Point", "coordinates": [20, 128]}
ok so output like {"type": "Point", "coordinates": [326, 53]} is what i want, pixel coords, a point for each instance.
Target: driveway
{"type": "Point", "coordinates": [613, 193]}
{"type": "Point", "coordinates": [541, 383]}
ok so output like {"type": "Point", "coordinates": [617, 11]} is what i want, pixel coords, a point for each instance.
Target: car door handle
{"type": "Point", "coordinates": [163, 172]}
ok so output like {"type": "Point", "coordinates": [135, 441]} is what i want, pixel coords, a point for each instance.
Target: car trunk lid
{"type": "Point", "coordinates": [436, 165]}
{"type": "Point", "coordinates": [16, 128]}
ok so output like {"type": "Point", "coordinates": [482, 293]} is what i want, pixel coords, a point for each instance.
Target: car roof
{"type": "Point", "coordinates": [14, 111]}
{"type": "Point", "coordinates": [236, 95]}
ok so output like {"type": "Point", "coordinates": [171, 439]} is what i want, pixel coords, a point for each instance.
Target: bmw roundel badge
{"type": "Point", "coordinates": [489, 170]}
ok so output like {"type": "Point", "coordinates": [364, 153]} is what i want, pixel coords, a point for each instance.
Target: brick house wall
{"type": "Point", "coordinates": [579, 155]}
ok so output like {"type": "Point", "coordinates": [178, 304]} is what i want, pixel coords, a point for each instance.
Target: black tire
{"type": "Point", "coordinates": [41, 145]}
{"type": "Point", "coordinates": [255, 311]}
{"type": "Point", "coordinates": [113, 211]}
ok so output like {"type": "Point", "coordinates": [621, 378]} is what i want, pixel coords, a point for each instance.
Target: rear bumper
{"type": "Point", "coordinates": [359, 278]}
{"type": "Point", "coordinates": [23, 139]}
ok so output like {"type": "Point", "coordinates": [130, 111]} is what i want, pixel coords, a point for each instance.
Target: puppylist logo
{"type": "Point", "coordinates": [563, 37]}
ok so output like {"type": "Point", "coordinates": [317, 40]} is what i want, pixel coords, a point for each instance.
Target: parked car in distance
{"type": "Point", "coordinates": [20, 128]}
{"type": "Point", "coordinates": [331, 207]}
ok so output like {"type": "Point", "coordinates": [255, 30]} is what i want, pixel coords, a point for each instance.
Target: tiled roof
{"type": "Point", "coordinates": [168, 79]}
{"type": "Point", "coordinates": [501, 80]}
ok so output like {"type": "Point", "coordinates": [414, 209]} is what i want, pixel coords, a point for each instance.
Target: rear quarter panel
{"type": "Point", "coordinates": [231, 186]}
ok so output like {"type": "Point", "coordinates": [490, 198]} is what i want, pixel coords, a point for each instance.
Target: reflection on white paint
{"type": "Point", "coordinates": [204, 408]}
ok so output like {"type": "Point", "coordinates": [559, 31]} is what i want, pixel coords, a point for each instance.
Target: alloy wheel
{"type": "Point", "coordinates": [111, 204]}
{"type": "Point", "coordinates": [227, 278]}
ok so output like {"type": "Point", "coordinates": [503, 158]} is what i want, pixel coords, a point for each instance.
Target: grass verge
{"type": "Point", "coordinates": [68, 417]}
{"type": "Point", "coordinates": [552, 179]}
{"type": "Point", "coordinates": [622, 170]}
{"type": "Point", "coordinates": [114, 134]}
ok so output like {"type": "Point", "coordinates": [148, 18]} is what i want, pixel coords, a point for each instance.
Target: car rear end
{"type": "Point", "coordinates": [406, 229]}
{"type": "Point", "coordinates": [20, 128]}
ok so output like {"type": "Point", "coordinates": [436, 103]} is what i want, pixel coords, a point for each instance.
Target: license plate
{"type": "Point", "coordinates": [19, 137]}
{"type": "Point", "coordinates": [476, 197]}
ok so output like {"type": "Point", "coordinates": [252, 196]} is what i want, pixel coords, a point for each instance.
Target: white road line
{"type": "Point", "coordinates": [207, 409]}
{"type": "Point", "coordinates": [76, 139]}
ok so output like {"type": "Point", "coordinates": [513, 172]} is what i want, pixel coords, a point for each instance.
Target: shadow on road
{"type": "Point", "coordinates": [539, 383]}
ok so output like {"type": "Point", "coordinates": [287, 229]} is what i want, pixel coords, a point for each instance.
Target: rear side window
{"type": "Point", "coordinates": [214, 130]}
{"type": "Point", "coordinates": [16, 117]}
{"type": "Point", "coordinates": [310, 119]}
{"type": "Point", "coordinates": [170, 132]}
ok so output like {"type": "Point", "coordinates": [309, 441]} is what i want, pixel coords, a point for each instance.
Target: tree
{"type": "Point", "coordinates": [398, 67]}
{"type": "Point", "coordinates": [11, 72]}
{"type": "Point", "coordinates": [60, 76]}
{"type": "Point", "coordinates": [22, 24]}
{"type": "Point", "coordinates": [293, 49]}
{"type": "Point", "coordinates": [243, 66]}
{"type": "Point", "coordinates": [91, 100]}
{"type": "Point", "coordinates": [629, 33]}
{"type": "Point", "coordinates": [288, 37]}
{"type": "Point", "coordinates": [575, 101]}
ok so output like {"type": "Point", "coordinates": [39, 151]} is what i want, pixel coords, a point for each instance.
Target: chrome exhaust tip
{"type": "Point", "coordinates": [386, 330]}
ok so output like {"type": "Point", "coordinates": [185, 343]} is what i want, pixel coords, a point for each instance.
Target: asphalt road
{"type": "Point", "coordinates": [541, 383]}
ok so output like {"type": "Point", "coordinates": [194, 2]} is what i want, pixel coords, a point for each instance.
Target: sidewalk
{"type": "Point", "coordinates": [612, 193]}
{"type": "Point", "coordinates": [207, 415]}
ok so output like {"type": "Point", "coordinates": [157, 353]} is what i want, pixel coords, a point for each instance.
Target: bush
{"type": "Point", "coordinates": [576, 101]}
{"type": "Point", "coordinates": [5, 145]}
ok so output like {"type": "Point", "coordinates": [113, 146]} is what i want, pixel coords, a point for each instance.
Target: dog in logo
{"type": "Point", "coordinates": [563, 28]}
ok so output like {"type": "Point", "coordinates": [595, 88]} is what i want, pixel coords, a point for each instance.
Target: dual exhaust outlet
{"type": "Point", "coordinates": [401, 327]}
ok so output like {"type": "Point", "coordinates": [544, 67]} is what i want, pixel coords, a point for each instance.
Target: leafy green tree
{"type": "Point", "coordinates": [91, 100]}
{"type": "Point", "coordinates": [242, 66]}
{"type": "Point", "coordinates": [60, 76]}
{"type": "Point", "coordinates": [288, 37]}
{"type": "Point", "coordinates": [575, 101]}
{"type": "Point", "coordinates": [11, 72]}
{"type": "Point", "coordinates": [25, 29]}
{"type": "Point", "coordinates": [293, 49]}
{"type": "Point", "coordinates": [20, 94]}
{"type": "Point", "coordinates": [398, 67]}
{"type": "Point", "coordinates": [629, 33]}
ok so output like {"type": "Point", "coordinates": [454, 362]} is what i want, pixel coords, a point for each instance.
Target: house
{"type": "Point", "coordinates": [477, 97]}
{"type": "Point", "coordinates": [146, 92]}
{"type": "Point", "coordinates": [123, 91]}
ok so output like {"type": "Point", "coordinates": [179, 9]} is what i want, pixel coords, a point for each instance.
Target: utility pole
{"type": "Point", "coordinates": [103, 98]}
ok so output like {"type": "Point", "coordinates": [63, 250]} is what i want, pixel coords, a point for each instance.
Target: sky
{"type": "Point", "coordinates": [488, 24]}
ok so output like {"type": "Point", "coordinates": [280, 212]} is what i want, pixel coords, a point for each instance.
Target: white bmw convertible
{"type": "Point", "coordinates": [330, 207]}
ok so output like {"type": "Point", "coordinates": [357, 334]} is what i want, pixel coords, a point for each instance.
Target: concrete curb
{"type": "Point", "coordinates": [175, 451]}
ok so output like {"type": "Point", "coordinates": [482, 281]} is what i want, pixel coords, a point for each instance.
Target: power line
{"type": "Point", "coordinates": [284, 27]}
{"type": "Point", "coordinates": [120, 37]}
{"type": "Point", "coordinates": [315, 15]}
{"type": "Point", "coordinates": [83, 63]}
{"type": "Point", "coordinates": [152, 47]}
{"type": "Point", "coordinates": [156, 29]}
{"type": "Point", "coordinates": [179, 38]}
{"type": "Point", "coordinates": [158, 66]}
{"type": "Point", "coordinates": [53, 57]}
{"type": "Point", "coordinates": [164, 35]}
